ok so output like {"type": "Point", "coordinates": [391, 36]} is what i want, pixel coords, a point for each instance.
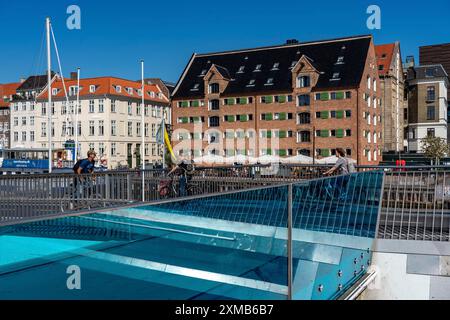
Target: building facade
{"type": "Point", "coordinates": [22, 108]}
{"type": "Point", "coordinates": [7, 92]}
{"type": "Point", "coordinates": [294, 99]}
{"type": "Point", "coordinates": [437, 54]}
{"type": "Point", "coordinates": [427, 104]}
{"type": "Point", "coordinates": [393, 104]}
{"type": "Point", "coordinates": [109, 120]}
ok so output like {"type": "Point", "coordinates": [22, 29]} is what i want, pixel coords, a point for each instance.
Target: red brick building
{"type": "Point", "coordinates": [299, 98]}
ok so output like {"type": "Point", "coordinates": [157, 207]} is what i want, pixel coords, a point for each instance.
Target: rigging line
{"type": "Point", "coordinates": [62, 78]}
{"type": "Point", "coordinates": [38, 63]}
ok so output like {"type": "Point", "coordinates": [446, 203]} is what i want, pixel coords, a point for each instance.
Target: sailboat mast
{"type": "Point", "coordinates": [49, 85]}
{"type": "Point", "coordinates": [143, 131]}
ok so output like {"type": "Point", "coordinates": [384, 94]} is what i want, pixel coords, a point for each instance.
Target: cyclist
{"type": "Point", "coordinates": [183, 170]}
{"type": "Point", "coordinates": [344, 167]}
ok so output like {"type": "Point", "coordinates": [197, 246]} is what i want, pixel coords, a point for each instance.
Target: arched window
{"type": "Point", "coordinates": [214, 88]}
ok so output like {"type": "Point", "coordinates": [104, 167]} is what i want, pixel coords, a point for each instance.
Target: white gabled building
{"type": "Point", "coordinates": [109, 119]}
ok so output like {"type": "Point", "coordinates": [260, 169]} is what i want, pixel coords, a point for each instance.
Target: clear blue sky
{"type": "Point", "coordinates": [115, 35]}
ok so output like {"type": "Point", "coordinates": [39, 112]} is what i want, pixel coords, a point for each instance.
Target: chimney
{"type": "Point", "coordinates": [291, 41]}
{"type": "Point", "coordinates": [73, 75]}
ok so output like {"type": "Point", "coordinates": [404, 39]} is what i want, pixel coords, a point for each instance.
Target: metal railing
{"type": "Point", "coordinates": [416, 205]}
{"type": "Point", "coordinates": [27, 197]}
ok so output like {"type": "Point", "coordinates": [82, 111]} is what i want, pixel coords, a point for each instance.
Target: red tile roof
{"type": "Point", "coordinates": [384, 57]}
{"type": "Point", "coordinates": [7, 90]}
{"type": "Point", "coordinates": [106, 86]}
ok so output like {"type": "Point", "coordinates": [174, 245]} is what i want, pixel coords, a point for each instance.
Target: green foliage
{"type": "Point", "coordinates": [434, 148]}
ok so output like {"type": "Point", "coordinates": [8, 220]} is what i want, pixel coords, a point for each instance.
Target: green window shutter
{"type": "Point", "coordinates": [229, 101]}
{"type": "Point", "coordinates": [195, 103]}
{"type": "Point", "coordinates": [339, 133]}
{"type": "Point", "coordinates": [184, 104]}
{"type": "Point", "coordinates": [339, 95]}
{"type": "Point", "coordinates": [230, 118]}
{"type": "Point", "coordinates": [282, 134]}
{"type": "Point", "coordinates": [269, 99]}
{"type": "Point", "coordinates": [324, 115]}
{"type": "Point", "coordinates": [325, 153]}
{"type": "Point", "coordinates": [269, 152]}
{"type": "Point", "coordinates": [281, 99]}
{"type": "Point", "coordinates": [268, 134]}
{"type": "Point", "coordinates": [269, 116]}
{"type": "Point", "coordinates": [242, 100]}
{"type": "Point", "coordinates": [339, 114]}
{"type": "Point", "coordinates": [282, 153]}
{"type": "Point", "coordinates": [283, 116]}
{"type": "Point", "coordinates": [184, 120]}
{"type": "Point", "coordinates": [243, 118]}
{"type": "Point", "coordinates": [324, 133]}
{"type": "Point", "coordinates": [324, 96]}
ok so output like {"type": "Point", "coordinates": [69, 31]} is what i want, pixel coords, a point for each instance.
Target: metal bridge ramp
{"type": "Point", "coordinates": [232, 246]}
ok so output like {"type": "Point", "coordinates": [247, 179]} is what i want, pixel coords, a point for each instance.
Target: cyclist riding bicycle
{"type": "Point", "coordinates": [184, 171]}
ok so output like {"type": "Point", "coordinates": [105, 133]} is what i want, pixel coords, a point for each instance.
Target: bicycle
{"type": "Point", "coordinates": [167, 189]}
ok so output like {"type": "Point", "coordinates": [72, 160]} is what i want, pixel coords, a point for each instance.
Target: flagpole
{"type": "Point", "coordinates": [76, 116]}
{"type": "Point", "coordinates": [49, 109]}
{"type": "Point", "coordinates": [164, 138]}
{"type": "Point", "coordinates": [143, 132]}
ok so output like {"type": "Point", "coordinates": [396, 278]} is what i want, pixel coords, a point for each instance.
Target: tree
{"type": "Point", "coordinates": [434, 148]}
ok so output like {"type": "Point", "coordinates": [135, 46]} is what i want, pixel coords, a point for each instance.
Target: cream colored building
{"type": "Point", "coordinates": [109, 120]}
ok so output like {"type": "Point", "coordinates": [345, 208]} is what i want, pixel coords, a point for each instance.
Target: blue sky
{"type": "Point", "coordinates": [115, 35]}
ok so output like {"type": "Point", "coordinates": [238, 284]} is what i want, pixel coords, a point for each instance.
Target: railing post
{"type": "Point", "coordinates": [107, 186]}
{"type": "Point", "coordinates": [129, 187]}
{"type": "Point", "coordinates": [289, 244]}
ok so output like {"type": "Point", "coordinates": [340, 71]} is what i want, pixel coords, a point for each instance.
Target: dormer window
{"type": "Point", "coordinates": [340, 60]}
{"type": "Point", "coordinates": [202, 74]}
{"type": "Point", "coordinates": [275, 66]}
{"type": "Point", "coordinates": [258, 68]}
{"type": "Point", "coordinates": [73, 90]}
{"type": "Point", "coordinates": [152, 94]}
{"type": "Point", "coordinates": [130, 90]}
{"type": "Point", "coordinates": [269, 82]}
{"type": "Point", "coordinates": [194, 88]}
{"type": "Point", "coordinates": [241, 69]}
{"type": "Point", "coordinates": [303, 81]}
{"type": "Point", "coordinates": [429, 72]}
{"type": "Point", "coordinates": [251, 83]}
{"type": "Point", "coordinates": [92, 88]}
{"type": "Point", "coordinates": [139, 91]}
{"type": "Point", "coordinates": [54, 92]}
{"type": "Point", "coordinates": [293, 64]}
{"type": "Point", "coordinates": [336, 76]}
{"type": "Point", "coordinates": [214, 88]}
{"type": "Point", "coordinates": [118, 89]}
